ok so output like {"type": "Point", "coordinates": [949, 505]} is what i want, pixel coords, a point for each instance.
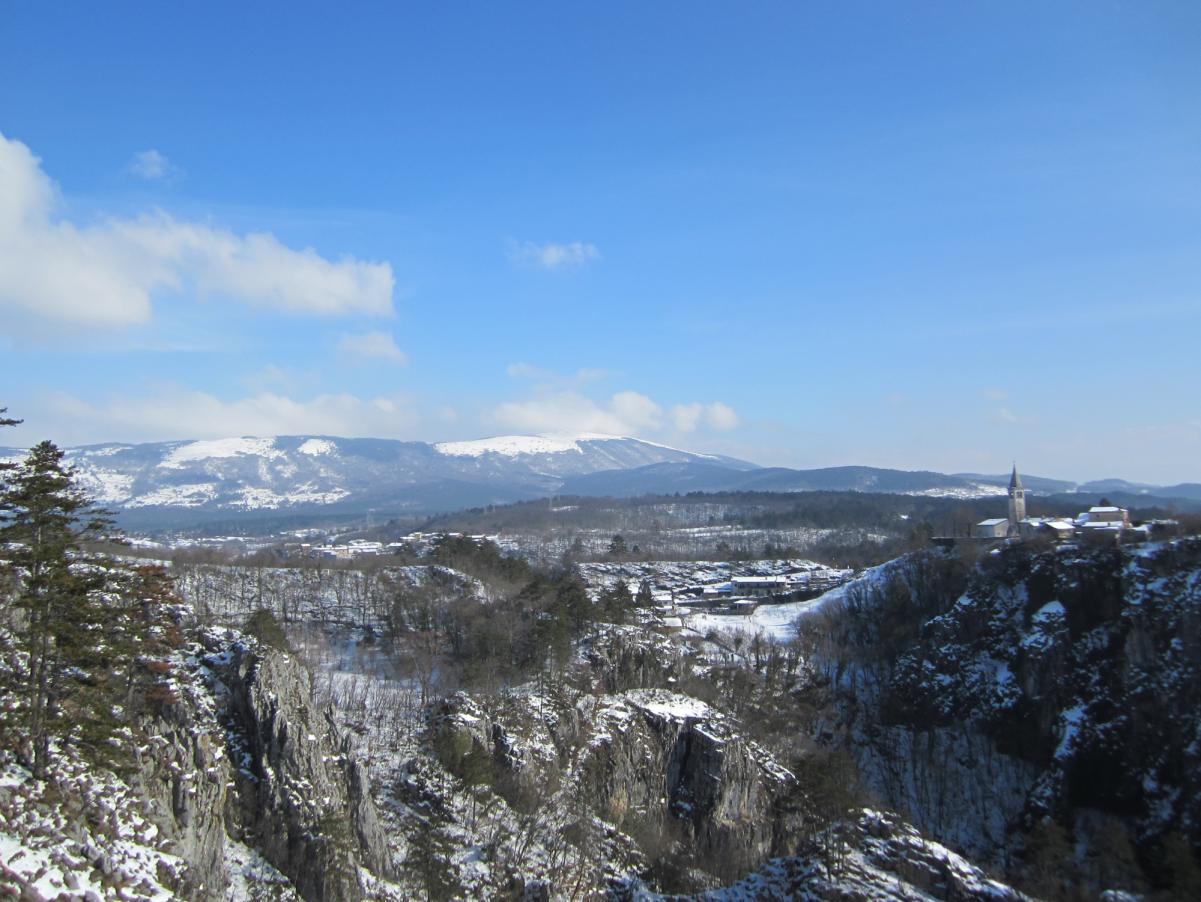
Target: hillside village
{"type": "Point", "coordinates": [1103, 523]}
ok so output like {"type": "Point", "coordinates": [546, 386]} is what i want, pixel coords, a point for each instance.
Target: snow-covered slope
{"type": "Point", "coordinates": [307, 473]}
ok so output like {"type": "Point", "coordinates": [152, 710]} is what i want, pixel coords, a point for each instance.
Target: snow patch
{"type": "Point", "coordinates": [192, 495]}
{"type": "Point", "coordinates": [318, 446]}
{"type": "Point", "coordinates": [669, 705]}
{"type": "Point", "coordinates": [516, 445]}
{"type": "Point", "coordinates": [220, 447]}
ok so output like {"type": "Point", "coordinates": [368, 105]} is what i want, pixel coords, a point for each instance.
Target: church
{"type": "Point", "coordinates": [1003, 527]}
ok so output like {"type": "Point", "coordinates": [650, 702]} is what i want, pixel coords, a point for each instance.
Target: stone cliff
{"type": "Point", "coordinates": [1059, 688]}
{"type": "Point", "coordinates": [245, 756]}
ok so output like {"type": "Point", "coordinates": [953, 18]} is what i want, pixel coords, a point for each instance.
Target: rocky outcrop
{"type": "Point", "coordinates": [663, 767]}
{"type": "Point", "coordinates": [631, 657]}
{"type": "Point", "coordinates": [185, 774]}
{"type": "Point", "coordinates": [662, 758]}
{"type": "Point", "coordinates": [301, 799]}
{"type": "Point", "coordinates": [1060, 684]}
{"type": "Point", "coordinates": [239, 752]}
{"type": "Point", "coordinates": [881, 858]}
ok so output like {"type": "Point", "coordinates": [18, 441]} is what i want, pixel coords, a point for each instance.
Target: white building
{"type": "Point", "coordinates": [1114, 516]}
{"type": "Point", "coordinates": [996, 528]}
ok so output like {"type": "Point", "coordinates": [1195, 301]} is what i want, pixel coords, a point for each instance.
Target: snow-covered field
{"type": "Point", "coordinates": [772, 621]}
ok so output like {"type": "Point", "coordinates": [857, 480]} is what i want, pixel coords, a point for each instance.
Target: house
{"type": "Point", "coordinates": [759, 585]}
{"type": "Point", "coordinates": [996, 528]}
{"type": "Point", "coordinates": [1030, 527]}
{"type": "Point", "coordinates": [1061, 529]}
{"type": "Point", "coordinates": [1101, 533]}
{"type": "Point", "coordinates": [1114, 516]}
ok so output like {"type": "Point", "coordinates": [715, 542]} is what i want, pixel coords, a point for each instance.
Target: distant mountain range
{"type": "Point", "coordinates": [184, 483]}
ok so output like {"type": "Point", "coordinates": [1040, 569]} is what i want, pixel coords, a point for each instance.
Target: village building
{"type": "Point", "coordinates": [1061, 529]}
{"type": "Point", "coordinates": [1110, 516]}
{"type": "Point", "coordinates": [759, 585]}
{"type": "Point", "coordinates": [998, 528]}
{"type": "Point", "coordinates": [1102, 523]}
{"type": "Point", "coordinates": [994, 528]}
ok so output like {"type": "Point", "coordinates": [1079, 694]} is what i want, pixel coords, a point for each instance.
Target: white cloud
{"type": "Point", "coordinates": [554, 256]}
{"type": "Point", "coordinates": [687, 416]}
{"type": "Point", "coordinates": [374, 345]}
{"type": "Point", "coordinates": [108, 273]}
{"type": "Point", "coordinates": [588, 374]}
{"type": "Point", "coordinates": [522, 370]}
{"type": "Point", "coordinates": [721, 417]}
{"type": "Point", "coordinates": [625, 413]}
{"type": "Point", "coordinates": [716, 416]}
{"type": "Point", "coordinates": [152, 166]}
{"type": "Point", "coordinates": [582, 376]}
{"type": "Point", "coordinates": [180, 414]}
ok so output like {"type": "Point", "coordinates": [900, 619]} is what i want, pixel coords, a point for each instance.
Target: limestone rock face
{"type": "Point", "coordinates": [629, 657]}
{"type": "Point", "coordinates": [1061, 681]}
{"type": "Point", "coordinates": [242, 754]}
{"type": "Point", "coordinates": [184, 775]}
{"type": "Point", "coordinates": [663, 757]}
{"type": "Point", "coordinates": [301, 799]}
{"type": "Point", "coordinates": [885, 860]}
{"type": "Point", "coordinates": [658, 765]}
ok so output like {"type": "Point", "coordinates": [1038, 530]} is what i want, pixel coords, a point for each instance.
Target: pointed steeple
{"type": "Point", "coordinates": [1015, 481]}
{"type": "Point", "coordinates": [1017, 501]}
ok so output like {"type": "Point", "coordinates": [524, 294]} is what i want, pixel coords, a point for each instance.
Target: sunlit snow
{"type": "Point", "coordinates": [221, 447]}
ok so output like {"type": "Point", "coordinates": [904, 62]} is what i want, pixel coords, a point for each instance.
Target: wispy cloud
{"type": "Point", "coordinates": [152, 166]}
{"type": "Point", "coordinates": [716, 416]}
{"type": "Point", "coordinates": [624, 413]}
{"type": "Point", "coordinates": [554, 256]}
{"type": "Point", "coordinates": [109, 273]}
{"type": "Point", "coordinates": [523, 370]}
{"type": "Point", "coordinates": [373, 345]}
{"type": "Point", "coordinates": [177, 413]}
{"type": "Point", "coordinates": [582, 376]}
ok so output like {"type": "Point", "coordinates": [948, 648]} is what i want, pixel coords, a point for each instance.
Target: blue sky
{"type": "Point", "coordinates": [922, 235]}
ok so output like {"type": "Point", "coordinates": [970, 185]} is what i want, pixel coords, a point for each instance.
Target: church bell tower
{"type": "Point", "coordinates": [1017, 501]}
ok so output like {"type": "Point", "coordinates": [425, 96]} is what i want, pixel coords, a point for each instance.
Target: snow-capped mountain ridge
{"type": "Point", "coordinates": [546, 443]}
{"type": "Point", "coordinates": [184, 481]}
{"type": "Point", "coordinates": [317, 472]}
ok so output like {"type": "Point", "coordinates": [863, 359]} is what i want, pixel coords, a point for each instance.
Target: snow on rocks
{"type": "Point", "coordinates": [883, 858]}
{"type": "Point", "coordinates": [669, 705]}
{"type": "Point", "coordinates": [82, 834]}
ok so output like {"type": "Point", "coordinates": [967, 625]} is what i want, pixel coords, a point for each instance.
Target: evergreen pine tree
{"type": "Point", "coordinates": [5, 467]}
{"type": "Point", "coordinates": [644, 598]}
{"type": "Point", "coordinates": [69, 630]}
{"type": "Point", "coordinates": [615, 603]}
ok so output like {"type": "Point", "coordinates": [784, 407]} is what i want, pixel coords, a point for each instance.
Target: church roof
{"type": "Point", "coordinates": [1015, 481]}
